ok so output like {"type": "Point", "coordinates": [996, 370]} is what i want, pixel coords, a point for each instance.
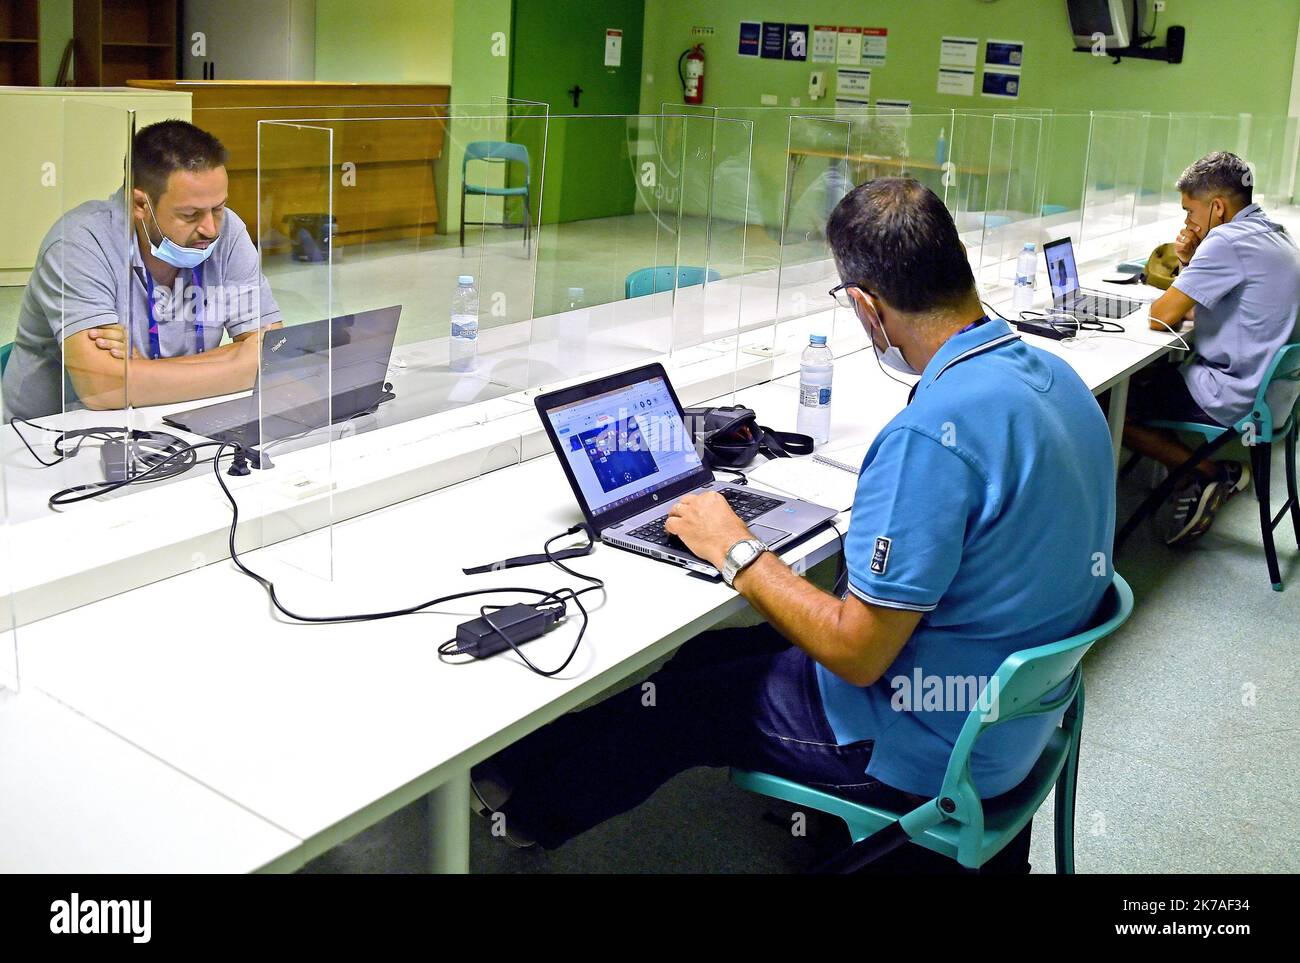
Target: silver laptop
{"type": "Point", "coordinates": [311, 375]}
{"type": "Point", "coordinates": [1067, 296]}
{"type": "Point", "coordinates": [629, 457]}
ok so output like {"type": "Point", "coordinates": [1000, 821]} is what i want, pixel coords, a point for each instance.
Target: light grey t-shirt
{"type": "Point", "coordinates": [1245, 280]}
{"type": "Point", "coordinates": [89, 274]}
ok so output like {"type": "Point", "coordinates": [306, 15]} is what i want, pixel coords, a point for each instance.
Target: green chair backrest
{"type": "Point", "coordinates": [653, 280]}
{"type": "Point", "coordinates": [496, 150]}
{"type": "Point", "coordinates": [1030, 682]}
{"type": "Point", "coordinates": [1259, 423]}
{"type": "Point", "coordinates": [5, 351]}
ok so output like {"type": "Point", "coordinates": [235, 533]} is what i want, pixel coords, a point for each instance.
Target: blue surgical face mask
{"type": "Point", "coordinates": [169, 252]}
{"type": "Point", "coordinates": [891, 356]}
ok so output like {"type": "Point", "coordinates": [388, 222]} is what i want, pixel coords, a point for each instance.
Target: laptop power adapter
{"type": "Point", "coordinates": [520, 622]}
{"type": "Point", "coordinates": [1046, 329]}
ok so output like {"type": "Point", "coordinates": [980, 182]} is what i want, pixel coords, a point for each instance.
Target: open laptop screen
{"type": "Point", "coordinates": [625, 443]}
{"type": "Point", "coordinates": [1061, 272]}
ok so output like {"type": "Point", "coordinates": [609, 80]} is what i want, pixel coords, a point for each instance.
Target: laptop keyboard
{"type": "Point", "coordinates": [1100, 307]}
{"type": "Point", "coordinates": [748, 505]}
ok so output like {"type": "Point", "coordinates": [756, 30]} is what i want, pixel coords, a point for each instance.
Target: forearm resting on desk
{"type": "Point", "coordinates": [101, 379]}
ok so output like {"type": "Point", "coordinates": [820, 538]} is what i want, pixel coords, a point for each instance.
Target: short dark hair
{"type": "Point", "coordinates": [171, 145]}
{"type": "Point", "coordinates": [1219, 173]}
{"type": "Point", "coordinates": [894, 237]}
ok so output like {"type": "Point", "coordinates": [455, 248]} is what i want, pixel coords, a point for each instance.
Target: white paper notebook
{"type": "Point", "coordinates": [828, 478]}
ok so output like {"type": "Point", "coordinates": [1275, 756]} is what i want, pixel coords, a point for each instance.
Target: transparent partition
{"type": "Point", "coordinates": [9, 678]}
{"type": "Point", "coordinates": [1012, 197]}
{"type": "Point", "coordinates": [1268, 143]}
{"type": "Point", "coordinates": [1113, 176]}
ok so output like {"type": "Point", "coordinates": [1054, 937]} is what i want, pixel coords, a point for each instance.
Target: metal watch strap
{"type": "Point", "coordinates": [729, 573]}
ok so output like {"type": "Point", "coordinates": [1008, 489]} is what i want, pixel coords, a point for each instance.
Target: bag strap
{"type": "Point", "coordinates": [783, 444]}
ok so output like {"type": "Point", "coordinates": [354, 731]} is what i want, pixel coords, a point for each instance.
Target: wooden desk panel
{"type": "Point", "coordinates": [391, 191]}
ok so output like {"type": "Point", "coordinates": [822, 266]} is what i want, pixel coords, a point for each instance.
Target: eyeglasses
{"type": "Point", "coordinates": [840, 294]}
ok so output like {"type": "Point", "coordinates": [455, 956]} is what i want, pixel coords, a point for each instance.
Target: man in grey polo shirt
{"type": "Point", "coordinates": [162, 279]}
{"type": "Point", "coordinates": [1240, 277]}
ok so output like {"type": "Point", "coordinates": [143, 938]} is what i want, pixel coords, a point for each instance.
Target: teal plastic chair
{"type": "Point", "coordinates": [496, 152]}
{"type": "Point", "coordinates": [1258, 432]}
{"type": "Point", "coordinates": [957, 823]}
{"type": "Point", "coordinates": [5, 351]}
{"type": "Point", "coordinates": [1049, 209]}
{"type": "Point", "coordinates": [652, 280]}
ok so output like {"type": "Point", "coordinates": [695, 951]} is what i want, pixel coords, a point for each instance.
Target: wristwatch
{"type": "Point", "coordinates": [740, 556]}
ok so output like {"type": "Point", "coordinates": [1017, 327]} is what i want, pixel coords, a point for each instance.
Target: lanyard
{"type": "Point", "coordinates": [973, 325]}
{"type": "Point", "coordinates": [155, 347]}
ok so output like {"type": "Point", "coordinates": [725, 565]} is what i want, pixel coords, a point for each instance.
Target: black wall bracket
{"type": "Point", "coordinates": [1171, 52]}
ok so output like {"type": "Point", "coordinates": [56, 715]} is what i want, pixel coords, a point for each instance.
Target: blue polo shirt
{"type": "Point", "coordinates": [988, 504]}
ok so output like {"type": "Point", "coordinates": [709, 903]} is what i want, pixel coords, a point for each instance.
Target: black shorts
{"type": "Point", "coordinates": [1158, 392]}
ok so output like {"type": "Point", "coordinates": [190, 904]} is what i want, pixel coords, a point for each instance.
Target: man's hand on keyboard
{"type": "Point", "coordinates": [708, 526]}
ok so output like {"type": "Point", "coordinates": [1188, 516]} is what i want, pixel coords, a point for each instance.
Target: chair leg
{"type": "Point", "coordinates": [1292, 490]}
{"type": "Point", "coordinates": [1066, 785]}
{"type": "Point", "coordinates": [1129, 465]}
{"type": "Point", "coordinates": [528, 224]}
{"type": "Point", "coordinates": [1261, 456]}
{"type": "Point", "coordinates": [462, 218]}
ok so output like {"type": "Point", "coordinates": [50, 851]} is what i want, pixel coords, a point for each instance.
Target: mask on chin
{"type": "Point", "coordinates": [169, 252]}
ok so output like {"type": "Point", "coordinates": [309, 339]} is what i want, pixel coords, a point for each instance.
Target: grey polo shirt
{"type": "Point", "coordinates": [1245, 280]}
{"type": "Point", "coordinates": [89, 274]}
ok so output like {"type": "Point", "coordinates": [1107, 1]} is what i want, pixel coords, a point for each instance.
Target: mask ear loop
{"type": "Point", "coordinates": [875, 351]}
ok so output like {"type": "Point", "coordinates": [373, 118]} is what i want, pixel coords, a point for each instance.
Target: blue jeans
{"type": "Point", "coordinates": [735, 697]}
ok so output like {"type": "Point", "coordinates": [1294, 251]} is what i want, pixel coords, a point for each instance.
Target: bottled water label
{"type": "Point", "coordinates": [814, 396]}
{"type": "Point", "coordinates": [464, 327]}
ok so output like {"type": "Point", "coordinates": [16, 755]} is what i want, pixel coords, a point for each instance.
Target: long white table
{"type": "Point", "coordinates": [323, 730]}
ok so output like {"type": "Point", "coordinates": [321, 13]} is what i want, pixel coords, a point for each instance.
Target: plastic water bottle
{"type": "Point", "coordinates": [815, 371]}
{"type": "Point", "coordinates": [575, 328]}
{"type": "Point", "coordinates": [464, 325]}
{"type": "Point", "coordinates": [1026, 269]}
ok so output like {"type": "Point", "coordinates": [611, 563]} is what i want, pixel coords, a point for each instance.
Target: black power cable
{"type": "Point", "coordinates": [546, 601]}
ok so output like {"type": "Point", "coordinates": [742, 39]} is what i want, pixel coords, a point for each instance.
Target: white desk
{"type": "Point", "coordinates": [74, 798]}
{"type": "Point", "coordinates": [325, 729]}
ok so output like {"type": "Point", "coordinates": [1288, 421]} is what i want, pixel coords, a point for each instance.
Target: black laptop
{"type": "Point", "coordinates": [311, 375]}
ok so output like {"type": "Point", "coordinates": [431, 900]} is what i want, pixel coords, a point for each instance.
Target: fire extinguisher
{"type": "Point", "coordinates": [692, 77]}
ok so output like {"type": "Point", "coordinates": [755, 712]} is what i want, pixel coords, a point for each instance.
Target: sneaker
{"type": "Point", "coordinates": [1235, 477]}
{"type": "Point", "coordinates": [1192, 510]}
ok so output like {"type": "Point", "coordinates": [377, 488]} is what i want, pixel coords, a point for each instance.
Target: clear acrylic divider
{"type": "Point", "coordinates": [309, 359]}
{"type": "Point", "coordinates": [1065, 159]}
{"type": "Point", "coordinates": [1112, 179]}
{"type": "Point", "coordinates": [605, 258]}
{"type": "Point", "coordinates": [1270, 148]}
{"type": "Point", "coordinates": [711, 305]}
{"type": "Point", "coordinates": [1013, 201]}
{"type": "Point", "coordinates": [9, 676]}
{"type": "Point", "coordinates": [1156, 205]}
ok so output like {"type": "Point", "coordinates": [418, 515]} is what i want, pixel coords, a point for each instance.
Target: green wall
{"type": "Point", "coordinates": [56, 31]}
{"type": "Point", "coordinates": [384, 41]}
{"type": "Point", "coordinates": [1238, 57]}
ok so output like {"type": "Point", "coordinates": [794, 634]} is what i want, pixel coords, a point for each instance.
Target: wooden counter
{"type": "Point", "coordinates": [387, 192]}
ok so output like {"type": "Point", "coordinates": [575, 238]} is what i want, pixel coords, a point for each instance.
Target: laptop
{"type": "Point", "coordinates": [629, 457]}
{"type": "Point", "coordinates": [310, 375]}
{"type": "Point", "coordinates": [1067, 296]}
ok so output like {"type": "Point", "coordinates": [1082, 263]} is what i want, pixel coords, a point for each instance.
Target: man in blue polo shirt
{"type": "Point", "coordinates": [982, 524]}
{"type": "Point", "coordinates": [1241, 273]}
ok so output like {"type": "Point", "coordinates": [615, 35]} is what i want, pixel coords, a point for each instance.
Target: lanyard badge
{"type": "Point", "coordinates": [155, 344]}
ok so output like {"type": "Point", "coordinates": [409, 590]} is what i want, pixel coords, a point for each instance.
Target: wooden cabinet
{"type": "Point", "coordinates": [20, 59]}
{"type": "Point", "coordinates": [384, 169]}
{"type": "Point", "coordinates": [121, 40]}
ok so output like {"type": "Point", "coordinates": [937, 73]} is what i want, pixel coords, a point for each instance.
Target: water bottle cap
{"type": "Point", "coordinates": [1029, 245]}
{"type": "Point", "coordinates": [576, 292]}
{"type": "Point", "coordinates": [466, 279]}
{"type": "Point", "coordinates": [817, 339]}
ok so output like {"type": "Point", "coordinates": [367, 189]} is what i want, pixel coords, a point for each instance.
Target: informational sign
{"type": "Point", "coordinates": [958, 51]}
{"type": "Point", "coordinates": [1001, 83]}
{"type": "Point", "coordinates": [613, 48]}
{"type": "Point", "coordinates": [1004, 53]}
{"type": "Point", "coordinates": [848, 50]}
{"type": "Point", "coordinates": [751, 35]}
{"type": "Point", "coordinates": [895, 113]}
{"type": "Point", "coordinates": [853, 81]}
{"type": "Point", "coordinates": [901, 106]}
{"type": "Point", "coordinates": [824, 44]}
{"type": "Point", "coordinates": [957, 80]}
{"type": "Point", "coordinates": [773, 41]}
{"type": "Point", "coordinates": [874, 40]}
{"type": "Point", "coordinates": [852, 104]}
{"type": "Point", "coordinates": [796, 41]}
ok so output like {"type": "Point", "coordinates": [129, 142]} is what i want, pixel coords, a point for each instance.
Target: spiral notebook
{"type": "Point", "coordinates": [827, 478]}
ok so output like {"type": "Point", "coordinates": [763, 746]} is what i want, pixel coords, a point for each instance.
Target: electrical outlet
{"type": "Point", "coordinates": [1160, 6]}
{"type": "Point", "coordinates": [794, 102]}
